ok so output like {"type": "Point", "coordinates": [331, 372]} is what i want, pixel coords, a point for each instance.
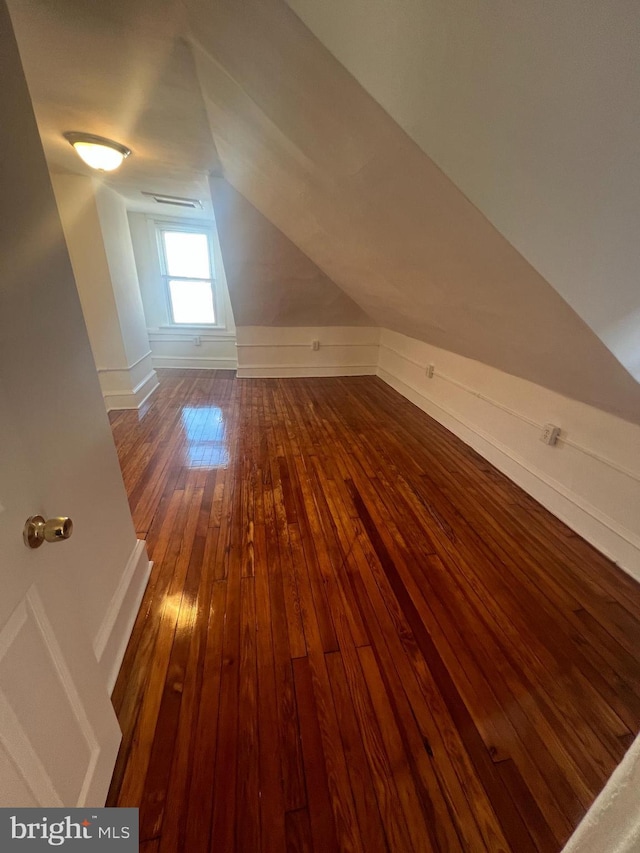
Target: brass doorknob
{"type": "Point", "coordinates": [37, 530]}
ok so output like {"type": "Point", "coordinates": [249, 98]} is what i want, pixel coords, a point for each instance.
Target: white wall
{"type": "Point", "coordinates": [173, 346]}
{"type": "Point", "coordinates": [287, 351]}
{"type": "Point", "coordinates": [97, 234]}
{"type": "Point", "coordinates": [533, 111]}
{"type": "Point", "coordinates": [590, 479]}
{"type": "Point", "coordinates": [75, 196]}
{"type": "Point", "coordinates": [131, 388]}
{"type": "Point", "coordinates": [112, 213]}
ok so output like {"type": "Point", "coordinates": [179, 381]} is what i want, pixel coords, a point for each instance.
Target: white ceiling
{"type": "Point", "coordinates": [121, 70]}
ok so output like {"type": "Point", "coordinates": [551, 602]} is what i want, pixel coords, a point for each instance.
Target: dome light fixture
{"type": "Point", "coordinates": [102, 154]}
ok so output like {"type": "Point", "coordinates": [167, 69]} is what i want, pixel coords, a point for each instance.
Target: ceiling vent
{"type": "Point", "coordinates": [175, 200]}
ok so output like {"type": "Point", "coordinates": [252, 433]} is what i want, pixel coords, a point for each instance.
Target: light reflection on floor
{"type": "Point", "coordinates": [206, 437]}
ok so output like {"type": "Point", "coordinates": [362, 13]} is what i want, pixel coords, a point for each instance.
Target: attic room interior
{"type": "Point", "coordinates": [320, 424]}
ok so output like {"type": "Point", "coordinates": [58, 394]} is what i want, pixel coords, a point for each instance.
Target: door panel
{"type": "Point", "coordinates": [32, 667]}
{"type": "Point", "coordinates": [12, 784]}
{"type": "Point", "coordinates": [58, 731]}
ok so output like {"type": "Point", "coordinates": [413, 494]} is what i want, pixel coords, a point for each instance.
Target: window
{"type": "Point", "coordinates": [186, 261]}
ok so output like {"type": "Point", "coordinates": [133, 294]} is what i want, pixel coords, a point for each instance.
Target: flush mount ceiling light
{"type": "Point", "coordinates": [98, 152]}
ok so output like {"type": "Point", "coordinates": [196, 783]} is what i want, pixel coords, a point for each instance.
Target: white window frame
{"type": "Point", "coordinates": [206, 228]}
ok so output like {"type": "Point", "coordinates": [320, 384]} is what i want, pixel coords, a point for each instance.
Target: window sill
{"type": "Point", "coordinates": [185, 331]}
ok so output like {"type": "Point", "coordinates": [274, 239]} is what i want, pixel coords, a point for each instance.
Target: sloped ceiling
{"type": "Point", "coordinates": [271, 282]}
{"type": "Point", "coordinates": [533, 111]}
{"type": "Point", "coordinates": [262, 100]}
{"type": "Point", "coordinates": [303, 141]}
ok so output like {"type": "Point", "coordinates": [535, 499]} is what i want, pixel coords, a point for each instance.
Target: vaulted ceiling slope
{"type": "Point", "coordinates": [271, 282]}
{"type": "Point", "coordinates": [302, 140]}
{"type": "Point", "coordinates": [533, 111]}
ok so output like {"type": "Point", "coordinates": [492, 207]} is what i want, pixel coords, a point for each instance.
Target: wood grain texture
{"type": "Point", "coordinates": [357, 635]}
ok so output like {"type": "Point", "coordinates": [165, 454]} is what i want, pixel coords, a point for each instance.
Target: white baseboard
{"type": "Point", "coordinates": [128, 387]}
{"type": "Point", "coordinates": [136, 397]}
{"type": "Point", "coordinates": [605, 533]}
{"type": "Point", "coordinates": [110, 642]}
{"type": "Point", "coordinates": [195, 363]}
{"type": "Point", "coordinates": [275, 371]}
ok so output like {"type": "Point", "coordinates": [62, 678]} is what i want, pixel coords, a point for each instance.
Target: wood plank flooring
{"type": "Point", "coordinates": [358, 635]}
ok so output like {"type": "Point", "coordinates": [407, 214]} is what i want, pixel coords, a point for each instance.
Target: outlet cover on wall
{"type": "Point", "coordinates": [550, 434]}
{"type": "Point", "coordinates": [429, 371]}
{"type": "Point", "coordinates": [315, 345]}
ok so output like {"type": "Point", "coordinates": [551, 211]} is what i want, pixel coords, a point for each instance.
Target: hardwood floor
{"type": "Point", "coordinates": [358, 635]}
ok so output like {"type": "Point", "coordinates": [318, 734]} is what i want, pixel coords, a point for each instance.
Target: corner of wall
{"type": "Point", "coordinates": [130, 387]}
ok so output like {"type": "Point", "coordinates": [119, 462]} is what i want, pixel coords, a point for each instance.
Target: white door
{"type": "Point", "coordinates": [58, 733]}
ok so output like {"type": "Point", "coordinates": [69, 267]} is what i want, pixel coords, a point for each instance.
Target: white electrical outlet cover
{"type": "Point", "coordinates": [550, 434]}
